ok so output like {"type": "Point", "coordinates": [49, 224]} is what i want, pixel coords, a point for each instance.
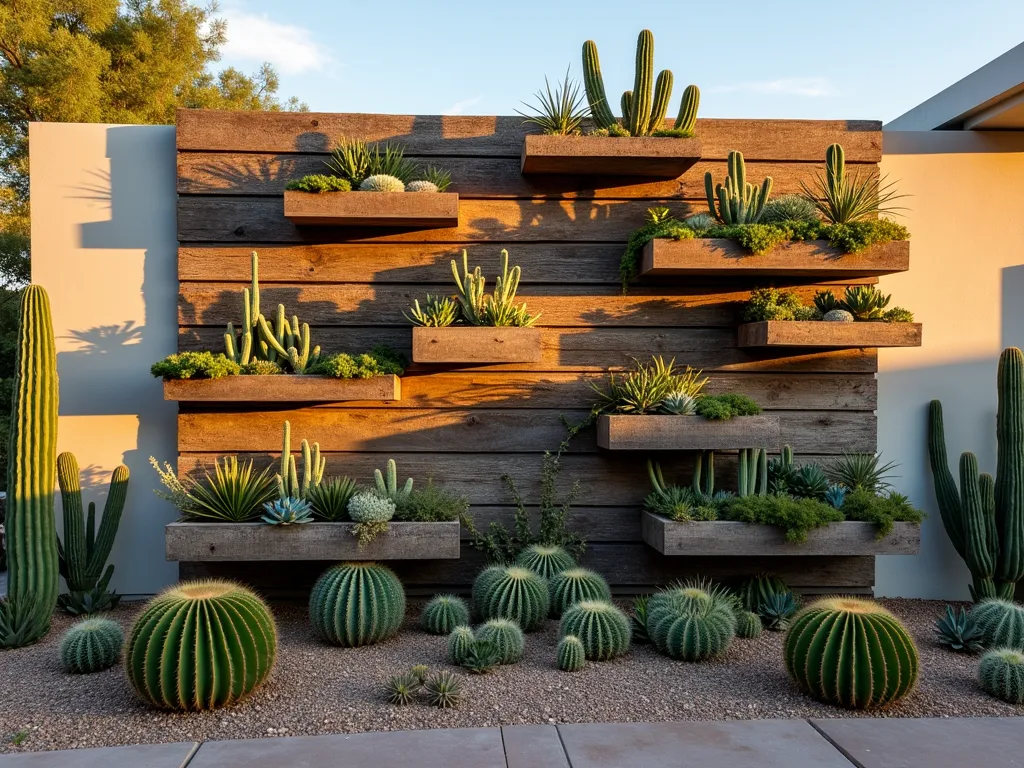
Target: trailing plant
{"type": "Point", "coordinates": [443, 690]}
{"type": "Point", "coordinates": [570, 655]}
{"type": "Point", "coordinates": [443, 614]}
{"type": "Point", "coordinates": [319, 183]}
{"type": "Point", "coordinates": [646, 387]}
{"type": "Point", "coordinates": [379, 361]}
{"type": "Point", "coordinates": [371, 511]}
{"type": "Point", "coordinates": [726, 406]}
{"type": "Point", "coordinates": [512, 592]}
{"type": "Point", "coordinates": [795, 516]}
{"type": "Point", "coordinates": [354, 604]}
{"type": "Point", "coordinates": [1001, 623]}
{"type": "Point", "coordinates": [460, 640]}
{"type": "Point", "coordinates": [402, 689]}
{"type": "Point", "coordinates": [481, 657]}
{"type": "Point", "coordinates": [506, 637]}
{"type": "Point", "coordinates": [437, 312]}
{"type": "Point", "coordinates": [748, 625]}
{"type": "Point", "coordinates": [1001, 673]}
{"type": "Point", "coordinates": [691, 622]}
{"type": "Point", "coordinates": [789, 208]}
{"type": "Point", "coordinates": [84, 550]}
{"type": "Point", "coordinates": [844, 198]}
{"type": "Point", "coordinates": [738, 201]}
{"type": "Point", "coordinates": [753, 591]}
{"type": "Point", "coordinates": [313, 466]}
{"type": "Point", "coordinates": [386, 484]}
{"type": "Point", "coordinates": [91, 645]}
{"type": "Point", "coordinates": [558, 112]}
{"type": "Point", "coordinates": [658, 225]}
{"type": "Point", "coordinates": [602, 628]}
{"type": "Point", "coordinates": [985, 518]}
{"type": "Point", "coordinates": [638, 621]}
{"type": "Point", "coordinates": [861, 472]}
{"type": "Point", "coordinates": [777, 609]}
{"type": "Point", "coordinates": [883, 511]}
{"type": "Point", "coordinates": [330, 499]}
{"type": "Point", "coordinates": [959, 630]}
{"type": "Point", "coordinates": [575, 585]}
{"type": "Point", "coordinates": [431, 504]}
{"type": "Point", "coordinates": [382, 182]}
{"type": "Point", "coordinates": [201, 645]}
{"type": "Point", "coordinates": [287, 511]}
{"type": "Point", "coordinates": [194, 365]}
{"type": "Point", "coordinates": [833, 651]}
{"type": "Point", "coordinates": [545, 561]}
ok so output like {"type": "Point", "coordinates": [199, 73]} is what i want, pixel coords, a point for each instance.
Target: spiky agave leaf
{"type": "Point", "coordinates": [958, 630]}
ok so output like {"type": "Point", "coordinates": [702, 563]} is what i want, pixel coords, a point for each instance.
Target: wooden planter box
{"type": "Point", "coordinates": [476, 344]}
{"type": "Point", "coordinates": [286, 388]}
{"type": "Point", "coordinates": [663, 158]}
{"type": "Point", "coordinates": [423, 210]}
{"type": "Point", "coordinates": [204, 542]}
{"type": "Point", "coordinates": [818, 333]}
{"type": "Point", "coordinates": [727, 539]}
{"type": "Point", "coordinates": [812, 258]}
{"type": "Point", "coordinates": [686, 433]}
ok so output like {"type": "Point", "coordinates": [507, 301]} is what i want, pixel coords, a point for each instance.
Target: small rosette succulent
{"type": "Point", "coordinates": [287, 511]}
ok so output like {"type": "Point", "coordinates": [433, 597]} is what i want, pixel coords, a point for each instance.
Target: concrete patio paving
{"type": "Point", "coordinates": [840, 743]}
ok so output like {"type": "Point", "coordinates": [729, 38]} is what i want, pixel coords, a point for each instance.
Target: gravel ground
{"type": "Point", "coordinates": [316, 689]}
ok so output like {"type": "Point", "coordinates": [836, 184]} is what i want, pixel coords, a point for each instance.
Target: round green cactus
{"type": "Point", "coordinates": [91, 645]}
{"type": "Point", "coordinates": [570, 654]}
{"type": "Point", "coordinates": [691, 623]}
{"type": "Point", "coordinates": [576, 584]}
{"type": "Point", "coordinates": [382, 183]}
{"type": "Point", "coordinates": [1001, 673]}
{"type": "Point", "coordinates": [601, 627]}
{"type": "Point", "coordinates": [512, 592]}
{"type": "Point", "coordinates": [201, 645]}
{"type": "Point", "coordinates": [545, 561]}
{"type": "Point", "coordinates": [851, 653]}
{"type": "Point", "coordinates": [443, 614]}
{"type": "Point", "coordinates": [1001, 623]}
{"type": "Point", "coordinates": [748, 625]}
{"type": "Point", "coordinates": [506, 637]}
{"type": "Point", "coordinates": [460, 641]}
{"type": "Point", "coordinates": [355, 604]}
{"type": "Point", "coordinates": [756, 589]}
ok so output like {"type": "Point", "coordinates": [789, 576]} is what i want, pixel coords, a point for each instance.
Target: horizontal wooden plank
{"type": "Point", "coordinates": [473, 429]}
{"type": "Point", "coordinates": [726, 538]}
{"type": "Point", "coordinates": [307, 132]}
{"type": "Point", "coordinates": [459, 344]}
{"type": "Point", "coordinates": [822, 335]}
{"type": "Point", "coordinates": [283, 388]}
{"type": "Point", "coordinates": [660, 158]}
{"type": "Point", "coordinates": [686, 433]}
{"type": "Point", "coordinates": [200, 541]}
{"type": "Point", "coordinates": [590, 349]}
{"type": "Point", "coordinates": [813, 258]}
{"type": "Point", "coordinates": [373, 209]}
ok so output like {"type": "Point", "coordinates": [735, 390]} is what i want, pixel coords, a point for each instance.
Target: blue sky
{"type": "Point", "coordinates": [861, 59]}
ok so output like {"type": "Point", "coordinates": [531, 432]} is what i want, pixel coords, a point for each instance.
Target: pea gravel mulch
{"type": "Point", "coordinates": [316, 689]}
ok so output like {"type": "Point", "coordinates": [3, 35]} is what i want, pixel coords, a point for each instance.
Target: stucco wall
{"type": "Point", "coordinates": [966, 284]}
{"type": "Point", "coordinates": [104, 247]}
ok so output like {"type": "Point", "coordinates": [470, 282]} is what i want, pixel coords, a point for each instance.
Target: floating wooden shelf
{"type": "Point", "coordinates": [423, 210]}
{"type": "Point", "coordinates": [198, 542]}
{"type": "Point", "coordinates": [811, 258]}
{"type": "Point", "coordinates": [662, 158]}
{"type": "Point", "coordinates": [475, 344]}
{"type": "Point", "coordinates": [285, 388]}
{"type": "Point", "coordinates": [823, 335]}
{"type": "Point", "coordinates": [686, 433]}
{"type": "Point", "coordinates": [727, 538]}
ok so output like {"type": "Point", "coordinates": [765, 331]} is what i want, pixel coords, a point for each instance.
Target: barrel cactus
{"type": "Point", "coordinates": [852, 653]}
{"type": "Point", "coordinates": [91, 645]}
{"type": "Point", "coordinates": [692, 622]}
{"type": "Point", "coordinates": [443, 614]}
{"type": "Point", "coordinates": [756, 589]}
{"type": "Point", "coordinates": [576, 584]}
{"type": "Point", "coordinates": [355, 604]}
{"type": "Point", "coordinates": [601, 627]}
{"type": "Point", "coordinates": [570, 654]}
{"type": "Point", "coordinates": [506, 637]}
{"type": "Point", "coordinates": [512, 592]}
{"type": "Point", "coordinates": [1001, 623]}
{"type": "Point", "coordinates": [421, 186]}
{"type": "Point", "coordinates": [748, 625]}
{"type": "Point", "coordinates": [545, 561]}
{"type": "Point", "coordinates": [1001, 673]}
{"type": "Point", "coordinates": [201, 645]}
{"type": "Point", "coordinates": [381, 182]}
{"type": "Point", "coordinates": [460, 641]}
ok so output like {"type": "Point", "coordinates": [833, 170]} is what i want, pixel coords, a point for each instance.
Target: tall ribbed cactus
{"type": "Point", "coordinates": [738, 201]}
{"type": "Point", "coordinates": [600, 111]}
{"type": "Point", "coordinates": [241, 349]}
{"type": "Point", "coordinates": [985, 518]}
{"type": "Point", "coordinates": [643, 82]}
{"type": "Point", "coordinates": [313, 466]}
{"type": "Point", "coordinates": [753, 472]}
{"type": "Point", "coordinates": [471, 291]}
{"type": "Point", "coordinates": [704, 473]}
{"type": "Point", "coordinates": [32, 454]}
{"type": "Point", "coordinates": [686, 120]}
{"type": "Point", "coordinates": [84, 551]}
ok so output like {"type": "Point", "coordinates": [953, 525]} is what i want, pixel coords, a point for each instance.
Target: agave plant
{"type": "Point", "coordinates": [861, 471]}
{"type": "Point", "coordinates": [330, 499]}
{"type": "Point", "coordinates": [559, 112]}
{"type": "Point", "coordinates": [808, 482]}
{"type": "Point", "coordinates": [865, 302]}
{"type": "Point", "coordinates": [235, 493]}
{"type": "Point", "coordinates": [842, 197]}
{"type": "Point", "coordinates": [481, 657]}
{"type": "Point", "coordinates": [355, 161]}
{"type": "Point", "coordinates": [959, 631]}
{"type": "Point", "coordinates": [287, 511]}
{"type": "Point", "coordinates": [777, 609]}
{"type": "Point", "coordinates": [645, 388]}
{"type": "Point", "coordinates": [825, 301]}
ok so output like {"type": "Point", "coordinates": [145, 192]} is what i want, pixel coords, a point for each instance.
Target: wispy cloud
{"type": "Point", "coordinates": [460, 107]}
{"type": "Point", "coordinates": [809, 87]}
{"type": "Point", "coordinates": [258, 38]}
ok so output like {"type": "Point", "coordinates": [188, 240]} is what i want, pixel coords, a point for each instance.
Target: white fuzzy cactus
{"type": "Point", "coordinates": [679, 403]}
{"type": "Point", "coordinates": [382, 183]}
{"type": "Point", "coordinates": [370, 507]}
{"type": "Point", "coordinates": [421, 186]}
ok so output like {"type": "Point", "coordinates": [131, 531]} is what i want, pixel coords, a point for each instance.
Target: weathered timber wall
{"type": "Point", "coordinates": [465, 428]}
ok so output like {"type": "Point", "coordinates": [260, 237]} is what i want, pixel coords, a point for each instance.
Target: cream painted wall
{"type": "Point", "coordinates": [104, 247]}
{"type": "Point", "coordinates": [966, 285]}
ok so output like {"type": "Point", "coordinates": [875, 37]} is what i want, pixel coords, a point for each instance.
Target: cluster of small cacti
{"type": "Point", "coordinates": [1000, 622]}
{"type": "Point", "coordinates": [443, 614]}
{"type": "Point", "coordinates": [1001, 674]}
{"type": "Point", "coordinates": [736, 201]}
{"type": "Point", "coordinates": [602, 628]}
{"type": "Point", "coordinates": [506, 637]}
{"type": "Point", "coordinates": [201, 645]}
{"type": "Point", "coordinates": [860, 303]}
{"type": "Point", "coordinates": [354, 604]}
{"type": "Point", "coordinates": [692, 622]}
{"type": "Point", "coordinates": [570, 655]}
{"type": "Point", "coordinates": [512, 592]}
{"type": "Point", "coordinates": [313, 465]}
{"type": "Point", "coordinates": [545, 561]}
{"type": "Point", "coordinates": [442, 689]}
{"type": "Point", "coordinates": [753, 472]}
{"type": "Point", "coordinates": [575, 585]}
{"type": "Point", "coordinates": [386, 483]}
{"type": "Point", "coordinates": [91, 645]}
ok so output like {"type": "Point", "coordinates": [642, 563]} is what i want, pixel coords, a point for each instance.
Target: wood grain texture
{"type": "Point", "coordinates": [661, 158]}
{"type": "Point", "coordinates": [476, 345]}
{"type": "Point", "coordinates": [283, 389]}
{"type": "Point", "coordinates": [195, 541]}
{"type": "Point", "coordinates": [728, 538]}
{"type": "Point", "coordinates": [373, 209]}
{"type": "Point", "coordinates": [822, 335]}
{"type": "Point", "coordinates": [813, 259]}
{"type": "Point", "coordinates": [686, 433]}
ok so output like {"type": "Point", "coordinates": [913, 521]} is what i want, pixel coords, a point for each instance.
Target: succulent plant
{"type": "Point", "coordinates": [852, 653]}
{"type": "Point", "coordinates": [200, 645]}
{"type": "Point", "coordinates": [748, 625]}
{"type": "Point", "coordinates": [506, 637]}
{"type": "Point", "coordinates": [386, 483]}
{"type": "Point", "coordinates": [1001, 673]}
{"type": "Point", "coordinates": [738, 202]}
{"type": "Point", "coordinates": [512, 592]}
{"type": "Point", "coordinates": [638, 621]}
{"type": "Point", "coordinates": [481, 657]}
{"type": "Point", "coordinates": [420, 671]}
{"type": "Point", "coordinates": [825, 301]}
{"type": "Point", "coordinates": [777, 609]}
{"type": "Point", "coordinates": [287, 511]}
{"type": "Point", "coordinates": [19, 621]}
{"type": "Point", "coordinates": [355, 604]}
{"type": "Point", "coordinates": [95, 600]}
{"type": "Point", "coordinates": [436, 312]}
{"type": "Point", "coordinates": [91, 645]}
{"type": "Point", "coordinates": [570, 654]}
{"type": "Point", "coordinates": [443, 690]}
{"type": "Point", "coordinates": [576, 584]}
{"type": "Point", "coordinates": [421, 186]}
{"type": "Point", "coordinates": [678, 404]}
{"type": "Point", "coordinates": [443, 614]}
{"type": "Point", "coordinates": [370, 507]}
{"type": "Point", "coordinates": [319, 183]}
{"type": "Point", "coordinates": [330, 499]}
{"type": "Point", "coordinates": [261, 368]}
{"type": "Point", "coordinates": [700, 222]}
{"type": "Point", "coordinates": [691, 622]}
{"type": "Point", "coordinates": [602, 628]}
{"type": "Point", "coordinates": [459, 642]}
{"type": "Point", "coordinates": [809, 482]}
{"type": "Point", "coordinates": [959, 630]}
{"type": "Point", "coordinates": [835, 496]}
{"type": "Point", "coordinates": [1001, 623]}
{"type": "Point", "coordinates": [313, 466]}
{"type": "Point", "coordinates": [381, 183]}
{"type": "Point", "coordinates": [865, 302]}
{"type": "Point", "coordinates": [752, 479]}
{"type": "Point", "coordinates": [789, 208]}
{"type": "Point", "coordinates": [402, 688]}
{"type": "Point", "coordinates": [544, 560]}
{"type": "Point", "coordinates": [754, 590]}
{"type": "Point", "coordinates": [898, 315]}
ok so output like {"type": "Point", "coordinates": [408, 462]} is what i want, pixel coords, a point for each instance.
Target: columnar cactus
{"type": "Point", "coordinates": [738, 201]}
{"type": "Point", "coordinates": [460, 641]}
{"type": "Point", "coordinates": [686, 120]}
{"type": "Point", "coordinates": [91, 645]}
{"type": "Point", "coordinates": [544, 560]}
{"type": "Point", "coordinates": [1001, 673]}
{"type": "Point", "coordinates": [753, 472]}
{"type": "Point", "coordinates": [985, 518]}
{"type": "Point", "coordinates": [313, 466]}
{"type": "Point", "coordinates": [516, 593]}
{"type": "Point", "coordinates": [443, 614]}
{"type": "Point", "coordinates": [593, 81]}
{"type": "Point", "coordinates": [601, 627]}
{"type": "Point", "coordinates": [851, 653]}
{"type": "Point", "coordinates": [246, 348]}
{"type": "Point", "coordinates": [354, 604]}
{"type": "Point", "coordinates": [201, 645]}
{"type": "Point", "coordinates": [288, 341]}
{"type": "Point", "coordinates": [31, 536]}
{"type": "Point", "coordinates": [506, 637]}
{"type": "Point", "coordinates": [575, 585]}
{"type": "Point", "coordinates": [1001, 623]}
{"type": "Point", "coordinates": [570, 654]}
{"type": "Point", "coordinates": [387, 483]}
